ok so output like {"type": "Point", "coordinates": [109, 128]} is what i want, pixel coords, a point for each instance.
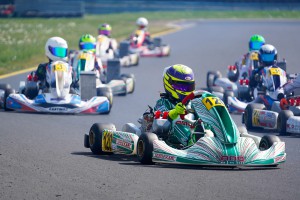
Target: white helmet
{"type": "Point", "coordinates": [142, 22]}
{"type": "Point", "coordinates": [56, 49]}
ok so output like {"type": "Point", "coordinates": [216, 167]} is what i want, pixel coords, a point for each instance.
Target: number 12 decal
{"type": "Point", "coordinates": [210, 102]}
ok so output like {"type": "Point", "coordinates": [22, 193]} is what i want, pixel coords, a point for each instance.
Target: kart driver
{"type": "Point", "coordinates": [88, 43]}
{"type": "Point", "coordinates": [178, 82]}
{"type": "Point", "coordinates": [105, 30]}
{"type": "Point", "coordinates": [255, 43]}
{"type": "Point", "coordinates": [142, 24]}
{"type": "Point", "coordinates": [56, 49]}
{"type": "Point", "coordinates": [267, 58]}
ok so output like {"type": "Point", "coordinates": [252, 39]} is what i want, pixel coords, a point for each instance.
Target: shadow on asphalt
{"type": "Point", "coordinates": [131, 160]}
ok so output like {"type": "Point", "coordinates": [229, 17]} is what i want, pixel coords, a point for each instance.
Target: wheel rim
{"type": "Point", "coordinates": [91, 138]}
{"type": "Point", "coordinates": [141, 149]}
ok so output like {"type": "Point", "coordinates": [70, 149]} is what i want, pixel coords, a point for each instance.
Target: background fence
{"type": "Point", "coordinates": [71, 8]}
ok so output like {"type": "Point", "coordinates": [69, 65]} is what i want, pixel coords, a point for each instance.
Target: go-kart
{"type": "Point", "coordinates": [222, 144]}
{"type": "Point", "coordinates": [273, 110]}
{"type": "Point", "coordinates": [55, 99]}
{"type": "Point", "coordinates": [235, 90]}
{"type": "Point", "coordinates": [105, 52]}
{"type": "Point", "coordinates": [155, 49]}
{"type": "Point", "coordinates": [120, 84]}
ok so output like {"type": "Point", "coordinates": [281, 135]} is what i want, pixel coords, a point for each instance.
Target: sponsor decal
{"type": "Point", "coordinates": [232, 158]}
{"type": "Point", "coordinates": [107, 140]}
{"type": "Point", "coordinates": [164, 156]}
{"type": "Point", "coordinates": [124, 144]}
{"type": "Point", "coordinates": [210, 102]}
{"type": "Point", "coordinates": [255, 118]}
{"type": "Point", "coordinates": [58, 109]}
{"type": "Point", "coordinates": [184, 123]}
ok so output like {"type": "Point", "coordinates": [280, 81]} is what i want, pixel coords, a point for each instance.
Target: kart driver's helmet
{"type": "Point", "coordinates": [178, 81]}
{"type": "Point", "coordinates": [56, 49]}
{"type": "Point", "coordinates": [87, 42]}
{"type": "Point", "coordinates": [142, 22]}
{"type": "Point", "coordinates": [267, 55]}
{"type": "Point", "coordinates": [255, 42]}
{"type": "Point", "coordinates": [104, 29]}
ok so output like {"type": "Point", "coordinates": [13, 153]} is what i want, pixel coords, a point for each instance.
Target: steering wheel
{"type": "Point", "coordinates": [192, 96]}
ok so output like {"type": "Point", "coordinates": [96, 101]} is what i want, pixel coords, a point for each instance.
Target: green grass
{"type": "Point", "coordinates": [22, 40]}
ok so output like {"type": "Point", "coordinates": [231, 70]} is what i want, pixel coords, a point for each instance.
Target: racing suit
{"type": "Point", "coordinates": [176, 137]}
{"type": "Point", "coordinates": [292, 86]}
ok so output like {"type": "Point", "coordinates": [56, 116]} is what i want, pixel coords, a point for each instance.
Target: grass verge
{"type": "Point", "coordinates": [22, 40]}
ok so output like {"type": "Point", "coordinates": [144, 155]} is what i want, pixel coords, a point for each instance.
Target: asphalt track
{"type": "Point", "coordinates": [42, 156]}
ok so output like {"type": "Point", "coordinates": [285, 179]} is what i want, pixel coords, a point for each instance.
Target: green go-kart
{"type": "Point", "coordinates": [218, 143]}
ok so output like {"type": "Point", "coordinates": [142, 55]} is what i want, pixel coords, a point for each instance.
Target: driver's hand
{"type": "Point", "coordinates": [178, 110]}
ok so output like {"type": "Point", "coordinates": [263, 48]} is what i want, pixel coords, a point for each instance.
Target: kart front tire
{"type": "Point", "coordinates": [145, 147]}
{"type": "Point", "coordinates": [7, 91]}
{"type": "Point", "coordinates": [95, 137]}
{"type": "Point", "coordinates": [283, 116]}
{"type": "Point", "coordinates": [248, 114]}
{"type": "Point", "coordinates": [211, 77]}
{"type": "Point", "coordinates": [226, 95]}
{"type": "Point", "coordinates": [267, 141]}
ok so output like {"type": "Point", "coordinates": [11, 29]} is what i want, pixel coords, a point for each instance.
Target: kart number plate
{"type": "Point", "coordinates": [60, 67]}
{"type": "Point", "coordinates": [254, 56]}
{"type": "Point", "coordinates": [210, 102]}
{"type": "Point", "coordinates": [107, 137]}
{"type": "Point", "coordinates": [85, 56]}
{"type": "Point", "coordinates": [275, 71]}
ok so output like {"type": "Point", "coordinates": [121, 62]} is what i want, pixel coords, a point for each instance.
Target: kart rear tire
{"type": "Point", "coordinates": [145, 148]}
{"type": "Point", "coordinates": [248, 114]}
{"type": "Point", "coordinates": [86, 141]}
{"type": "Point", "coordinates": [126, 76]}
{"type": "Point", "coordinates": [95, 137]}
{"type": "Point", "coordinates": [211, 77]}
{"type": "Point", "coordinates": [226, 95]}
{"type": "Point", "coordinates": [106, 92]}
{"type": "Point", "coordinates": [7, 91]}
{"type": "Point", "coordinates": [283, 116]}
{"type": "Point", "coordinates": [267, 141]}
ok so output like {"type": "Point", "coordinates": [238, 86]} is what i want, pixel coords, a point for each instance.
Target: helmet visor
{"type": "Point", "coordinates": [183, 86]}
{"type": "Point", "coordinates": [268, 57]}
{"type": "Point", "coordinates": [255, 45]}
{"type": "Point", "coordinates": [87, 45]}
{"type": "Point", "coordinates": [58, 51]}
{"type": "Point", "coordinates": [104, 32]}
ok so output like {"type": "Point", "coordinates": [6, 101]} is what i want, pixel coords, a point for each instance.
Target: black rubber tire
{"type": "Point", "coordinates": [95, 137]}
{"type": "Point", "coordinates": [86, 141]}
{"type": "Point", "coordinates": [267, 141]}
{"type": "Point", "coordinates": [7, 91]}
{"type": "Point", "coordinates": [145, 147]}
{"type": "Point", "coordinates": [248, 114]}
{"type": "Point", "coordinates": [31, 93]}
{"type": "Point", "coordinates": [283, 116]}
{"type": "Point", "coordinates": [211, 77]}
{"type": "Point", "coordinates": [125, 76]}
{"type": "Point", "coordinates": [106, 92]}
{"type": "Point", "coordinates": [226, 95]}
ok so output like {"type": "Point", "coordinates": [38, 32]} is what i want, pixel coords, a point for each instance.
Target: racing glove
{"type": "Point", "coordinates": [178, 110]}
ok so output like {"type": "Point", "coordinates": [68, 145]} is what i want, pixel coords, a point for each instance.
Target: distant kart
{"type": "Point", "coordinates": [156, 49]}
{"type": "Point", "coordinates": [105, 53]}
{"type": "Point", "coordinates": [221, 145]}
{"type": "Point", "coordinates": [56, 99]}
{"type": "Point", "coordinates": [120, 84]}
{"type": "Point", "coordinates": [235, 90]}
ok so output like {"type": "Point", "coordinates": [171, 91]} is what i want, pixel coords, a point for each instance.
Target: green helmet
{"type": "Point", "coordinates": [87, 42]}
{"type": "Point", "coordinates": [255, 42]}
